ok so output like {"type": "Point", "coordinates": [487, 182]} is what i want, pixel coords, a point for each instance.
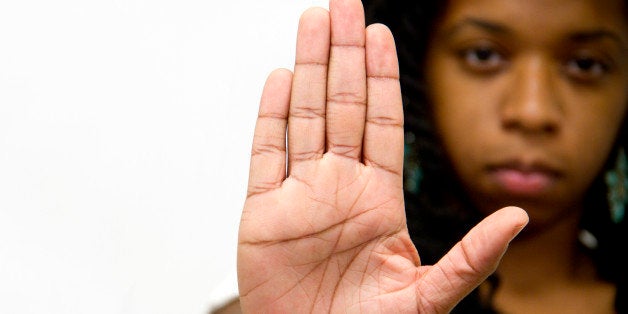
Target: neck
{"type": "Point", "coordinates": [545, 271]}
{"type": "Point", "coordinates": [545, 255]}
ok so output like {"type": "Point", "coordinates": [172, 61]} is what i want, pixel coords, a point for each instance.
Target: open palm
{"type": "Point", "coordinates": [324, 229]}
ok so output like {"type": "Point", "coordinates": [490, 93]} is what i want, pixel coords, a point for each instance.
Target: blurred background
{"type": "Point", "coordinates": [125, 131]}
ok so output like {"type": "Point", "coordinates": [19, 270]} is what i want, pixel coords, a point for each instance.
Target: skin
{"type": "Point", "coordinates": [545, 92]}
{"type": "Point", "coordinates": [534, 108]}
{"type": "Point", "coordinates": [329, 234]}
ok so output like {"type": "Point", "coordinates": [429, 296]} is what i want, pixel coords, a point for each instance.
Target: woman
{"type": "Point", "coordinates": [507, 103]}
{"type": "Point", "coordinates": [485, 54]}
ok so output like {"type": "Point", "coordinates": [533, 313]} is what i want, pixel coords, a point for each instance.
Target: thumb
{"type": "Point", "coordinates": [470, 261]}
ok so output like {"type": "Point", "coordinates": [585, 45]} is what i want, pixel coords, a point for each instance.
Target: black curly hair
{"type": "Point", "coordinates": [439, 213]}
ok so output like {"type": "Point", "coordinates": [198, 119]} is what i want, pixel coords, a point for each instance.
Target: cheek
{"type": "Point", "coordinates": [465, 131]}
{"type": "Point", "coordinates": [592, 130]}
{"type": "Point", "coordinates": [463, 107]}
{"type": "Point", "coordinates": [590, 138]}
{"type": "Point", "coordinates": [591, 147]}
{"type": "Point", "coordinates": [464, 117]}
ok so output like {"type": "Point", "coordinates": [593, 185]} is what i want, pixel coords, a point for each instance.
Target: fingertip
{"type": "Point", "coordinates": [381, 53]}
{"type": "Point", "coordinates": [314, 12]}
{"type": "Point", "coordinates": [313, 18]}
{"type": "Point", "coordinates": [347, 17]}
{"type": "Point", "coordinates": [514, 217]}
{"type": "Point", "coordinates": [278, 78]}
{"type": "Point", "coordinates": [276, 92]}
{"type": "Point", "coordinates": [381, 36]}
{"type": "Point", "coordinates": [280, 74]}
{"type": "Point", "coordinates": [313, 36]}
{"type": "Point", "coordinates": [518, 214]}
{"type": "Point", "coordinates": [379, 29]}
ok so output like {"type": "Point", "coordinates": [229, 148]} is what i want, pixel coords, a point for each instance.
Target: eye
{"type": "Point", "coordinates": [586, 68]}
{"type": "Point", "coordinates": [482, 59]}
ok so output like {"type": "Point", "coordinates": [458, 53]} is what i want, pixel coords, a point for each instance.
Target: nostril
{"type": "Point", "coordinates": [530, 126]}
{"type": "Point", "coordinates": [550, 128]}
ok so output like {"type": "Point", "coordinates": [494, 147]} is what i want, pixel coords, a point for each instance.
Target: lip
{"type": "Point", "coordinates": [521, 179]}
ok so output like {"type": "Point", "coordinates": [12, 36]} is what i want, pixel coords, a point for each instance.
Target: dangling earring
{"type": "Point", "coordinates": [617, 184]}
{"type": "Point", "coordinates": [412, 166]}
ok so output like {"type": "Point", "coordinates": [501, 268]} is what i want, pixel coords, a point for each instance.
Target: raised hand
{"type": "Point", "coordinates": [323, 227]}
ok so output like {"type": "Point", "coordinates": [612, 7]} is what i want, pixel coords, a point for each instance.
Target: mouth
{"type": "Point", "coordinates": [524, 180]}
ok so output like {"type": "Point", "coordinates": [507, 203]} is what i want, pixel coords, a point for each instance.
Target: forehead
{"type": "Point", "coordinates": [540, 17]}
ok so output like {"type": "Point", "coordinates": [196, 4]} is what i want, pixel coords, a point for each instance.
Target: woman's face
{"type": "Point", "coordinates": [528, 97]}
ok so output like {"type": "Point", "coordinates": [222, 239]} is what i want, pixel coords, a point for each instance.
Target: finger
{"type": "Point", "coordinates": [306, 126]}
{"type": "Point", "coordinates": [268, 155]}
{"type": "Point", "coordinates": [471, 260]}
{"type": "Point", "coordinates": [346, 84]}
{"type": "Point", "coordinates": [383, 133]}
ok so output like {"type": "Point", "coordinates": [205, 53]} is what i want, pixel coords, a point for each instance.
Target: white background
{"type": "Point", "coordinates": [125, 131]}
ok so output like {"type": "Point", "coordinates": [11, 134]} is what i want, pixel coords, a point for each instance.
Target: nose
{"type": "Point", "coordinates": [531, 105]}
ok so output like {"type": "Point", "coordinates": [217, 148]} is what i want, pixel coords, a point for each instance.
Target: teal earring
{"type": "Point", "coordinates": [617, 184]}
{"type": "Point", "coordinates": [413, 174]}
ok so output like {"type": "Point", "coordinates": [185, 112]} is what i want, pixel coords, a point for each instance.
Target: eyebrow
{"type": "Point", "coordinates": [598, 34]}
{"type": "Point", "coordinates": [578, 36]}
{"type": "Point", "coordinates": [477, 23]}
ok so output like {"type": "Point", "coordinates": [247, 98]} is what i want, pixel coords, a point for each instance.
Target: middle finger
{"type": "Point", "coordinates": [346, 85]}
